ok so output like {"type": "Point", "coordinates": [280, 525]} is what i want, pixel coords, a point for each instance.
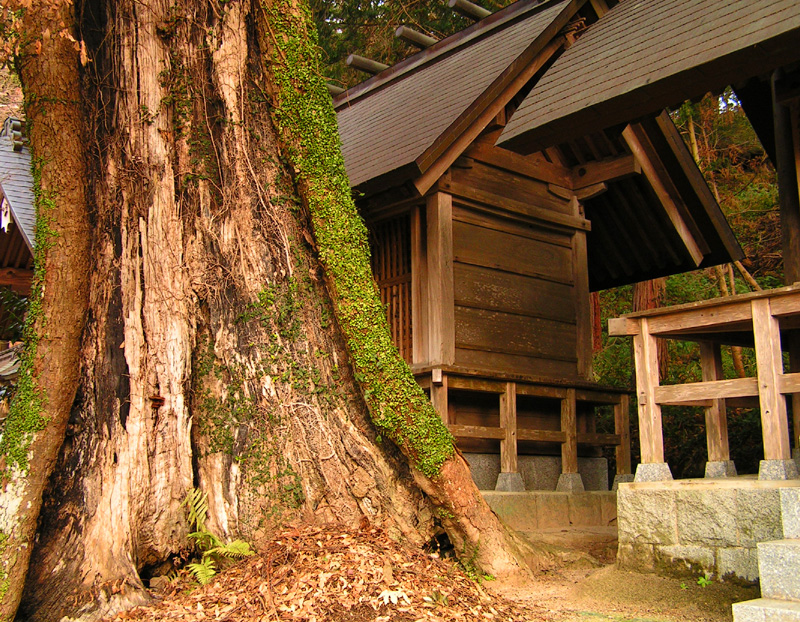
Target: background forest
{"type": "Point", "coordinates": [726, 150]}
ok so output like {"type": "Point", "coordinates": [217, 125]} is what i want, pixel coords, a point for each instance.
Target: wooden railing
{"type": "Point", "coordinates": [441, 380]}
{"type": "Point", "coordinates": [754, 319]}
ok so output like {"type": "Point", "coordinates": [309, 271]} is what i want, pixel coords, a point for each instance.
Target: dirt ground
{"type": "Point", "coordinates": [330, 574]}
{"type": "Point", "coordinates": [584, 584]}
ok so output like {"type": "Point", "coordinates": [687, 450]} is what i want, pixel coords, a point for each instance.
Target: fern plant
{"type": "Point", "coordinates": [213, 552]}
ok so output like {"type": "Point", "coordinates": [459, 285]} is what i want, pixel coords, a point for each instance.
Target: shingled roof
{"type": "Point", "coordinates": [390, 121]}
{"type": "Point", "coordinates": [16, 181]}
{"type": "Point", "coordinates": [645, 55]}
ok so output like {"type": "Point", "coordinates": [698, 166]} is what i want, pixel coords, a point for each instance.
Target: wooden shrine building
{"type": "Point", "coordinates": [490, 231]}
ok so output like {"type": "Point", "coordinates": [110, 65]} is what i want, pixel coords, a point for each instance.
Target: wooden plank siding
{"type": "Point", "coordinates": [514, 296]}
{"type": "Point", "coordinates": [391, 267]}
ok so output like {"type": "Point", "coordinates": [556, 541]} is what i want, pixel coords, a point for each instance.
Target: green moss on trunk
{"type": "Point", "coordinates": [306, 119]}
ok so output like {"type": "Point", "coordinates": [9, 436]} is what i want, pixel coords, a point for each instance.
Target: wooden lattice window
{"type": "Point", "coordinates": [391, 267]}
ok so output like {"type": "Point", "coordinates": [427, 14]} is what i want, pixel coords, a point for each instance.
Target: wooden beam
{"type": "Point", "coordinates": [769, 361]}
{"type": "Point", "coordinates": [367, 65]}
{"type": "Point", "coordinates": [605, 171]}
{"type": "Point", "coordinates": [534, 166]}
{"type": "Point", "coordinates": [651, 434]}
{"type": "Point", "coordinates": [468, 9]}
{"type": "Point", "coordinates": [669, 201]}
{"type": "Point", "coordinates": [675, 394]}
{"type": "Point", "coordinates": [597, 439]}
{"type": "Point", "coordinates": [476, 431]}
{"type": "Point", "coordinates": [508, 421]}
{"type": "Point", "coordinates": [415, 38]}
{"type": "Point", "coordinates": [623, 428]}
{"type": "Point", "coordinates": [541, 436]}
{"type": "Point", "coordinates": [569, 449]}
{"type": "Point", "coordinates": [441, 306]}
{"type": "Point", "coordinates": [716, 416]}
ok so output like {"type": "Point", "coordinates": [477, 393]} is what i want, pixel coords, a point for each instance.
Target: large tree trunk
{"type": "Point", "coordinates": [234, 330]}
{"type": "Point", "coordinates": [34, 430]}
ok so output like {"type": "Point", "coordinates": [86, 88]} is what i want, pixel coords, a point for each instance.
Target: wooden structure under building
{"type": "Point", "coordinates": [486, 256]}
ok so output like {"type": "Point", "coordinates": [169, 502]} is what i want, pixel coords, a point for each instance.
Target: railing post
{"type": "Point", "coordinates": [777, 463]}
{"type": "Point", "coordinates": [622, 427]}
{"type": "Point", "coordinates": [719, 462]}
{"type": "Point", "coordinates": [509, 479]}
{"type": "Point", "coordinates": [569, 480]}
{"type": "Point", "coordinates": [651, 435]}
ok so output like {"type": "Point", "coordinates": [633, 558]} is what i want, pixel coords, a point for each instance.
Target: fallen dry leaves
{"type": "Point", "coordinates": [316, 574]}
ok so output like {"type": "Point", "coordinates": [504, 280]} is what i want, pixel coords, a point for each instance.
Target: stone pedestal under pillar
{"type": "Point", "coordinates": [720, 468]}
{"type": "Point", "coordinates": [510, 482]}
{"type": "Point", "coordinates": [621, 479]}
{"type": "Point", "coordinates": [653, 472]}
{"type": "Point", "coordinates": [570, 482]}
{"type": "Point", "coordinates": [777, 470]}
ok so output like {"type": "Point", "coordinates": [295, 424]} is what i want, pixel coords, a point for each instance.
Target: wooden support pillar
{"type": "Point", "coordinates": [439, 395]}
{"type": "Point", "coordinates": [583, 317]}
{"type": "Point", "coordinates": [622, 427]}
{"type": "Point", "coordinates": [651, 435]}
{"type": "Point", "coordinates": [787, 154]}
{"type": "Point", "coordinates": [716, 419]}
{"type": "Point", "coordinates": [419, 287]}
{"type": "Point", "coordinates": [569, 448]}
{"type": "Point", "coordinates": [769, 360]}
{"type": "Point", "coordinates": [441, 308]}
{"type": "Point", "coordinates": [508, 421]}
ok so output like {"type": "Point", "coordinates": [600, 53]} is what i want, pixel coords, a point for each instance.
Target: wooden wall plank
{"type": "Point", "coordinates": [514, 334]}
{"type": "Point", "coordinates": [494, 362]}
{"type": "Point", "coordinates": [485, 288]}
{"type": "Point", "coordinates": [484, 247]}
{"type": "Point", "coordinates": [569, 450]}
{"type": "Point", "coordinates": [583, 320]}
{"type": "Point", "coordinates": [623, 428]}
{"type": "Point", "coordinates": [419, 286]}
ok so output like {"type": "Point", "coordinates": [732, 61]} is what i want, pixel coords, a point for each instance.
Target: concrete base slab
{"type": "Point", "coordinates": [510, 482]}
{"type": "Point", "coordinates": [621, 479]}
{"type": "Point", "coordinates": [766, 610]}
{"type": "Point", "coordinates": [777, 470]}
{"type": "Point", "coordinates": [541, 510]}
{"type": "Point", "coordinates": [570, 482]}
{"type": "Point", "coordinates": [720, 468]}
{"type": "Point", "coordinates": [653, 472]}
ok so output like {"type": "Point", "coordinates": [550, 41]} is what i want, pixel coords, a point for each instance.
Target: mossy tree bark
{"type": "Point", "coordinates": [48, 378]}
{"type": "Point", "coordinates": [235, 340]}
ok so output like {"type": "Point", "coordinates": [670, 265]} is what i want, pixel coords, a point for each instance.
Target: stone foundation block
{"type": "Point", "coordinates": [646, 516]}
{"type": "Point", "coordinates": [766, 610]}
{"type": "Point", "coordinates": [585, 510]}
{"type": "Point", "coordinates": [778, 564]}
{"type": "Point", "coordinates": [790, 512]}
{"type": "Point", "coordinates": [637, 556]}
{"type": "Point", "coordinates": [689, 561]}
{"type": "Point", "coordinates": [758, 516]}
{"type": "Point", "coordinates": [554, 512]}
{"type": "Point", "coordinates": [621, 479]}
{"type": "Point", "coordinates": [707, 518]}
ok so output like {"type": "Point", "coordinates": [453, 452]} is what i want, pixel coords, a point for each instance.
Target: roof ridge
{"type": "Point", "coordinates": [447, 46]}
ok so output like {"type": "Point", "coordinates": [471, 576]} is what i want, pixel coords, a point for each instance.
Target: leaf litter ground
{"type": "Point", "coordinates": [330, 574]}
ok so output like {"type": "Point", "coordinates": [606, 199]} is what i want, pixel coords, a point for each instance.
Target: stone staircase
{"type": "Point", "coordinates": [779, 571]}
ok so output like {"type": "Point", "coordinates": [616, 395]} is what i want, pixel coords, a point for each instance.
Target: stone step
{"type": "Point", "coordinates": [778, 562]}
{"type": "Point", "coordinates": [766, 610]}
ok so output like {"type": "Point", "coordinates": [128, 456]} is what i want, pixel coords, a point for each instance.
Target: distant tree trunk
{"type": "Point", "coordinates": [235, 339]}
{"type": "Point", "coordinates": [650, 295]}
{"type": "Point", "coordinates": [34, 430]}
